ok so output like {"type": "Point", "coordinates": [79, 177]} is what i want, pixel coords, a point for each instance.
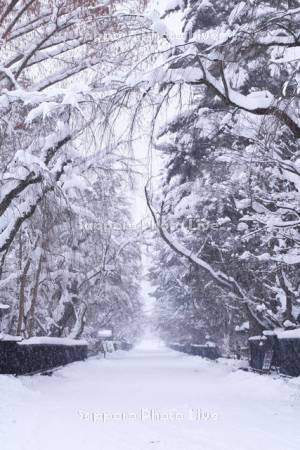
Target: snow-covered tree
{"type": "Point", "coordinates": [56, 58]}
{"type": "Point", "coordinates": [233, 149]}
{"type": "Point", "coordinates": [46, 112]}
{"type": "Point", "coordinates": [78, 260]}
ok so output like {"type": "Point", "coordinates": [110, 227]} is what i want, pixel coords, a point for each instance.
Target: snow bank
{"type": "Point", "coordinates": [207, 344]}
{"type": "Point", "coordinates": [245, 326]}
{"type": "Point", "coordinates": [52, 341]}
{"type": "Point", "coordinates": [3, 306]}
{"type": "Point", "coordinates": [289, 334]}
{"type": "Point", "coordinates": [257, 338]}
{"type": "Point", "coordinates": [280, 333]}
{"type": "Point", "coordinates": [8, 337]}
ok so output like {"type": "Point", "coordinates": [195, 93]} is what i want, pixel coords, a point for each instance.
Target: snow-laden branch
{"type": "Point", "coordinates": [64, 74]}
{"type": "Point", "coordinates": [18, 213]}
{"type": "Point", "coordinates": [220, 278]}
{"type": "Point", "coordinates": [8, 10]}
{"type": "Point", "coordinates": [47, 53]}
{"type": "Point", "coordinates": [261, 103]}
{"type": "Point", "coordinates": [13, 188]}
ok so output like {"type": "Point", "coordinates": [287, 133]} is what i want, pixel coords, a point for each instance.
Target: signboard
{"type": "Point", "coordinates": [268, 358]}
{"type": "Point", "coordinates": [105, 333]}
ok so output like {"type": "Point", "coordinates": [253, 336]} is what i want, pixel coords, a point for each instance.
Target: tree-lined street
{"type": "Point", "coordinates": [168, 401]}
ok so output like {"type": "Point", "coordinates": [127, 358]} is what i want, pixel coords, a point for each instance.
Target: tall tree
{"type": "Point", "coordinates": [233, 149]}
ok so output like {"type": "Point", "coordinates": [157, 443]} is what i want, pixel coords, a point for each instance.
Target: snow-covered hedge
{"type": "Point", "coordinates": [207, 350]}
{"type": "Point", "coordinates": [38, 354]}
{"type": "Point", "coordinates": [279, 350]}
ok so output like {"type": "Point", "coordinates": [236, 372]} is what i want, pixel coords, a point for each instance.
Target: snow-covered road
{"type": "Point", "coordinates": [149, 399]}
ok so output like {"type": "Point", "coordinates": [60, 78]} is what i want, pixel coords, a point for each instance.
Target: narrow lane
{"type": "Point", "coordinates": [149, 399]}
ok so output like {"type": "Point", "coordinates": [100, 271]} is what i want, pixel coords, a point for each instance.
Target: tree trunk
{"type": "Point", "coordinates": [34, 297]}
{"type": "Point", "coordinates": [80, 322]}
{"type": "Point", "coordinates": [22, 297]}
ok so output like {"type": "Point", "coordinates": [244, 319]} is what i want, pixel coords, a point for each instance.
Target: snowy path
{"type": "Point", "coordinates": [247, 411]}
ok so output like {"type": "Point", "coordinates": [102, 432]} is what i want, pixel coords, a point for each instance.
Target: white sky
{"type": "Point", "coordinates": [150, 163]}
